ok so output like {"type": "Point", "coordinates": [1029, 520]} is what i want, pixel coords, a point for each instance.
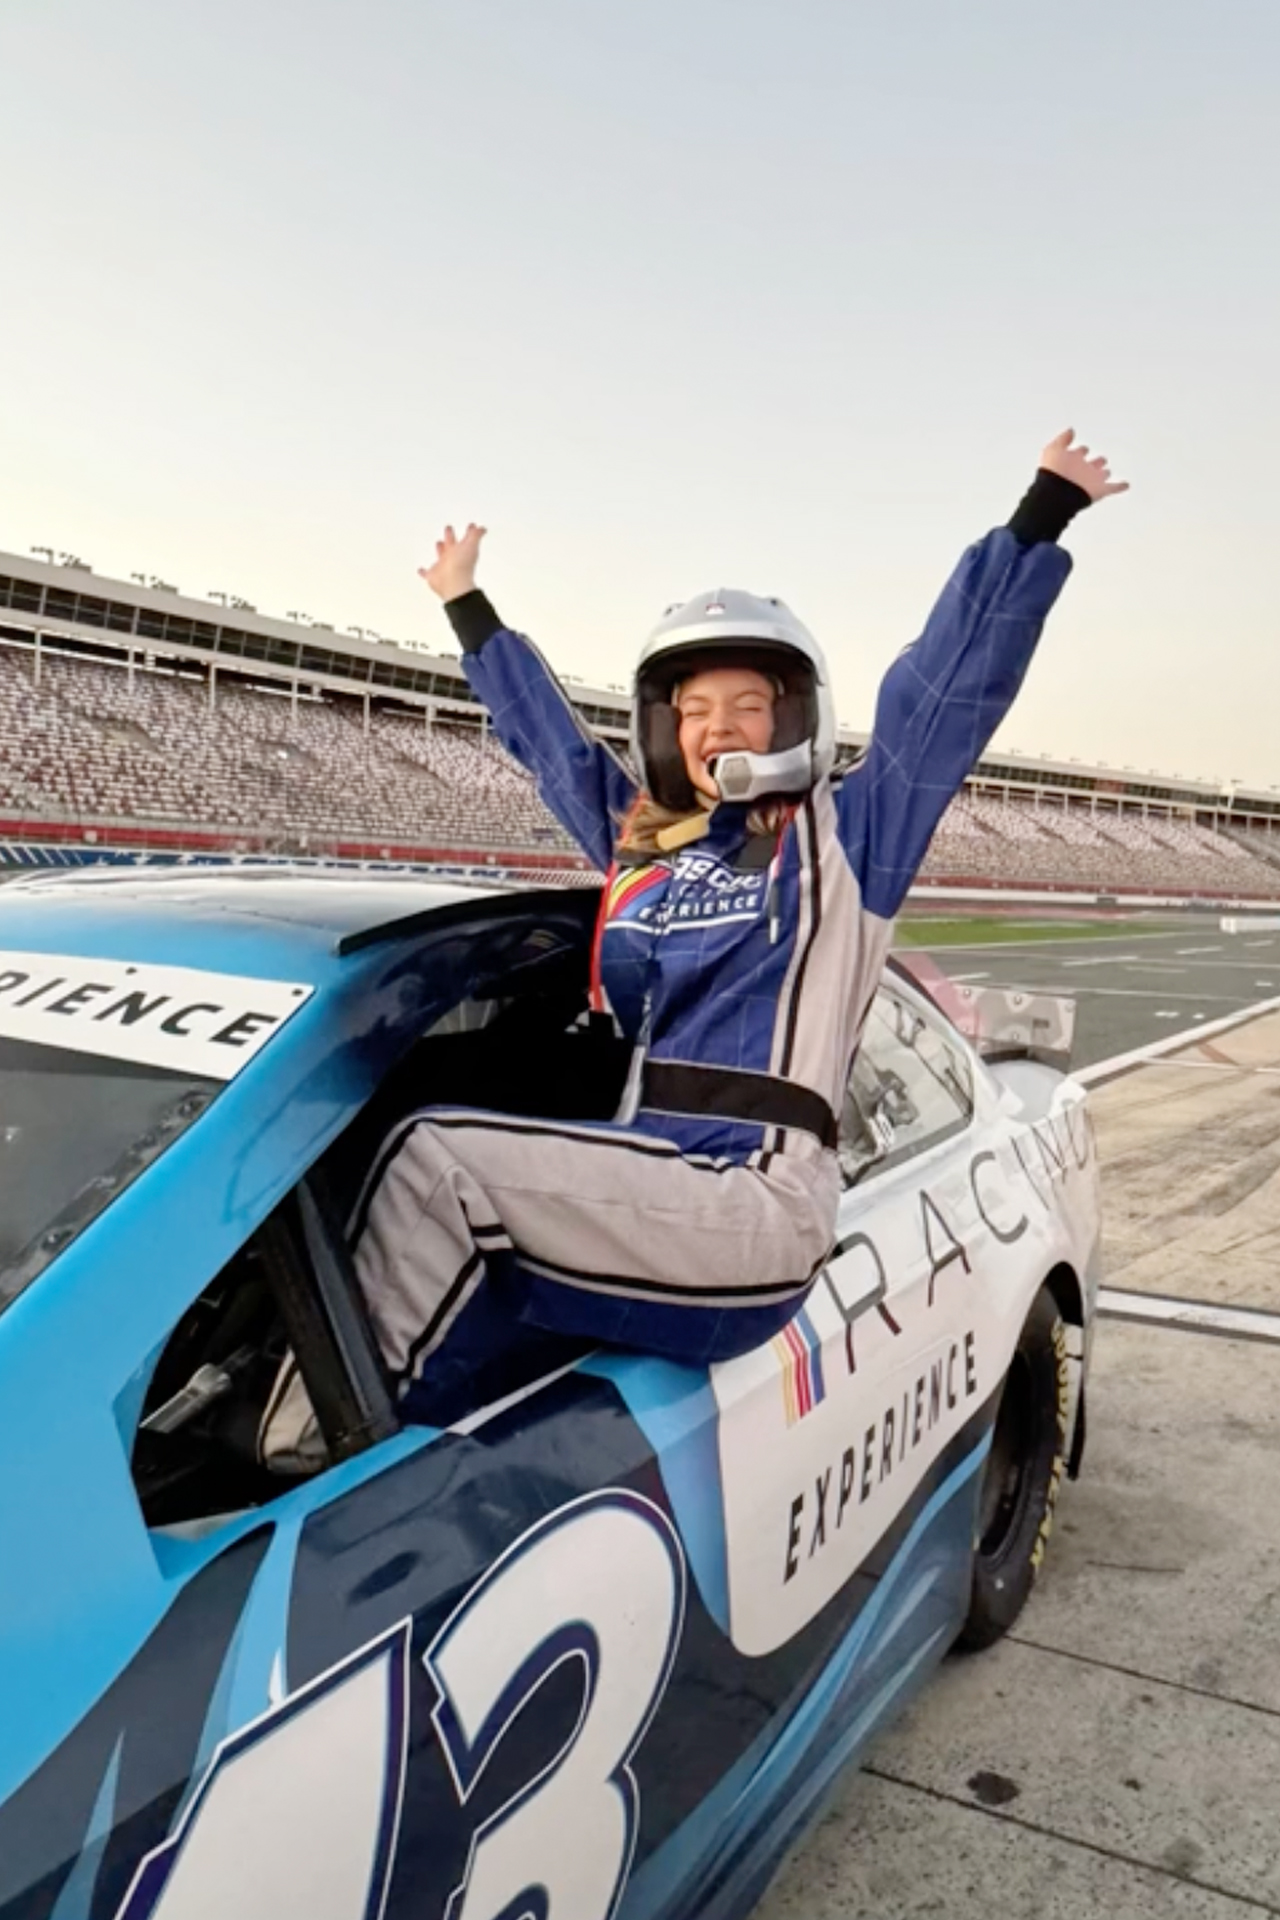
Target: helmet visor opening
{"type": "Point", "coordinates": [787, 668]}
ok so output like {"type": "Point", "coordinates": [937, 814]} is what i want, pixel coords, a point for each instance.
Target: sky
{"type": "Point", "coordinates": [782, 294]}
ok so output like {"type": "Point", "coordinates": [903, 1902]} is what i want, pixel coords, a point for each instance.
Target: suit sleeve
{"type": "Point", "coordinates": [581, 780]}
{"type": "Point", "coordinates": [941, 701]}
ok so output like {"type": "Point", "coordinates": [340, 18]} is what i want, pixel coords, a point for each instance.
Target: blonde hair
{"type": "Point", "coordinates": [648, 819]}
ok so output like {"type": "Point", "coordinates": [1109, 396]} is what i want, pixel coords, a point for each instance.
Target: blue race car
{"type": "Point", "coordinates": [600, 1647]}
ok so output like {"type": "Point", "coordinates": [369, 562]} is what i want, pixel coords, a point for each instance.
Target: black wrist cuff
{"type": "Point", "coordinates": [1046, 508]}
{"type": "Point", "coordinates": [472, 619]}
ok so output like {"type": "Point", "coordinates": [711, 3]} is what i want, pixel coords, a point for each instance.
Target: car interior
{"type": "Point", "coordinates": [518, 1040]}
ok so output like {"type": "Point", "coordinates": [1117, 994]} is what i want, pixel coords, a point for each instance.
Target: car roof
{"type": "Point", "coordinates": [180, 915]}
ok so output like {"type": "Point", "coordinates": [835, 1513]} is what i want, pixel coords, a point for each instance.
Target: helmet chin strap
{"type": "Point", "coordinates": [742, 777]}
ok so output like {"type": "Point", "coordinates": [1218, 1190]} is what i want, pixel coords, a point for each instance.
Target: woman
{"type": "Point", "coordinates": [745, 921]}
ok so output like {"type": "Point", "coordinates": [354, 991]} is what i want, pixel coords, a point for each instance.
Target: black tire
{"type": "Point", "coordinates": [1021, 1477]}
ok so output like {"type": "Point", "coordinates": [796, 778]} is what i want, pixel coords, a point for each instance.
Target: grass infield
{"type": "Point", "coordinates": [920, 932]}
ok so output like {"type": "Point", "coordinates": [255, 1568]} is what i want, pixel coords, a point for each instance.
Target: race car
{"type": "Point", "coordinates": [598, 1648]}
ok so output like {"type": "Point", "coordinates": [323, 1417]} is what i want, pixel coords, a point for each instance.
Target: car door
{"type": "Point", "coordinates": [836, 1440]}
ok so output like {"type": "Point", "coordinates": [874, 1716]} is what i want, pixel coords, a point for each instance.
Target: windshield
{"type": "Point", "coordinates": [74, 1131]}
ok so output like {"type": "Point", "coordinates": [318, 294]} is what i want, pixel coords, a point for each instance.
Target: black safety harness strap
{"type": "Point", "coordinates": [731, 1093]}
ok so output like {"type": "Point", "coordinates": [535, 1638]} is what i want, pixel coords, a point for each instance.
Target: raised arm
{"type": "Point", "coordinates": [945, 695]}
{"type": "Point", "coordinates": [583, 783]}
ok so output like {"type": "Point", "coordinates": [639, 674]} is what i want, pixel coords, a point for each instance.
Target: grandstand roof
{"type": "Point", "coordinates": [70, 601]}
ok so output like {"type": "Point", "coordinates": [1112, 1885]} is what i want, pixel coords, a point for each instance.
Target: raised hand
{"type": "Point", "coordinates": [1074, 463]}
{"type": "Point", "coordinates": [454, 572]}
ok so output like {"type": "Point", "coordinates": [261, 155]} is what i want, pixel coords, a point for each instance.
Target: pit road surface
{"type": "Point", "coordinates": [1119, 1753]}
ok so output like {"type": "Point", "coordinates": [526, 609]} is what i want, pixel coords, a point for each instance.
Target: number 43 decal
{"type": "Point", "coordinates": [299, 1812]}
{"type": "Point", "coordinates": [600, 1582]}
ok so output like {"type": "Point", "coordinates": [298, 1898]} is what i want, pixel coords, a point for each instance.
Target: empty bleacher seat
{"type": "Point", "coordinates": [96, 745]}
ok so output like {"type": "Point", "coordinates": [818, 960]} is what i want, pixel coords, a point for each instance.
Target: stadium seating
{"type": "Point", "coordinates": [1262, 845]}
{"type": "Point", "coordinates": [98, 746]}
{"type": "Point", "coordinates": [1052, 844]}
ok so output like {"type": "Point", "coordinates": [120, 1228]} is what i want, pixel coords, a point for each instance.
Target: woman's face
{"type": "Point", "coordinates": [723, 710]}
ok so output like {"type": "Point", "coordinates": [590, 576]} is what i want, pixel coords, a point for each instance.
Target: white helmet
{"type": "Point", "coordinates": [731, 628]}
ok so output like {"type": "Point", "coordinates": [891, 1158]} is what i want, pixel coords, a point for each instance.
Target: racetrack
{"type": "Point", "coordinates": [1133, 991]}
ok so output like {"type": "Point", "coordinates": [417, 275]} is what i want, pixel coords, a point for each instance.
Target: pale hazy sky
{"type": "Point", "coordinates": [784, 294]}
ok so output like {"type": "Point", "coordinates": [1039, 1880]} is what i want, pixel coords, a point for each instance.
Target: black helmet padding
{"type": "Point", "coordinates": [665, 774]}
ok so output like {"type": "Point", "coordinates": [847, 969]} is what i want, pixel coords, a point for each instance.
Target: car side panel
{"type": "Point", "coordinates": [736, 1747]}
{"type": "Point", "coordinates": [727, 1752]}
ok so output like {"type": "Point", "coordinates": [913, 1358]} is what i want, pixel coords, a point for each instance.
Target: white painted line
{"type": "Point", "coordinates": [1259, 943]}
{"type": "Point", "coordinates": [1180, 951]}
{"type": "Point", "coordinates": [963, 978]}
{"type": "Point", "coordinates": [1122, 1062]}
{"type": "Point", "coordinates": [1104, 960]}
{"type": "Point", "coordinates": [1190, 1316]}
{"type": "Point", "coordinates": [1217, 965]}
{"type": "Point", "coordinates": [1211, 1066]}
{"type": "Point", "coordinates": [1166, 1013]}
{"type": "Point", "coordinates": [1053, 942]}
{"type": "Point", "coordinates": [1123, 993]}
{"type": "Point", "coordinates": [1264, 983]}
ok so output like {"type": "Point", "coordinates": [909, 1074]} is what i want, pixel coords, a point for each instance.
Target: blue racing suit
{"type": "Point", "coordinates": [743, 970]}
{"type": "Point", "coordinates": [747, 980]}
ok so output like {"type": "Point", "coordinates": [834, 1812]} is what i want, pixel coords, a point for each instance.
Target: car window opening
{"type": "Point", "coordinates": [519, 1042]}
{"type": "Point", "coordinates": [910, 1088]}
{"type": "Point", "coordinates": [287, 1301]}
{"type": "Point", "coordinates": [523, 1044]}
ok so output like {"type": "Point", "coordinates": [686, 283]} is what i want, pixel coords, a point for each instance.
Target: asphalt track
{"type": "Point", "coordinates": [1134, 990]}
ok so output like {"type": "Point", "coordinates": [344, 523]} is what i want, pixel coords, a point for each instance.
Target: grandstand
{"type": "Point", "coordinates": [132, 718]}
{"type": "Point", "coordinates": [1062, 845]}
{"type": "Point", "coordinates": [115, 747]}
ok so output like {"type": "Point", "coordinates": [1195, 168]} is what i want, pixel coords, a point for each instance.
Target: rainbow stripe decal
{"type": "Point", "coordinates": [799, 1351]}
{"type": "Point", "coordinates": [630, 884]}
{"type": "Point", "coordinates": [621, 891]}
